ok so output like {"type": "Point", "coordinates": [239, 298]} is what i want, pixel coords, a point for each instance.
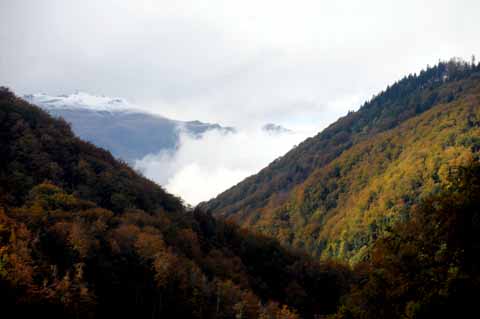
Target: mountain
{"type": "Point", "coordinates": [427, 266]}
{"type": "Point", "coordinates": [336, 193]}
{"type": "Point", "coordinates": [119, 126]}
{"type": "Point", "coordinates": [82, 235]}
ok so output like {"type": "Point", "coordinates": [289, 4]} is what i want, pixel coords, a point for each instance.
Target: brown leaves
{"type": "Point", "coordinates": [167, 268]}
{"type": "Point", "coordinates": [15, 252]}
{"type": "Point", "coordinates": [149, 245]}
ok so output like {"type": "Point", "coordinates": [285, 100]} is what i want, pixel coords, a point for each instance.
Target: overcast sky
{"type": "Point", "coordinates": [235, 62]}
{"type": "Point", "coordinates": [244, 63]}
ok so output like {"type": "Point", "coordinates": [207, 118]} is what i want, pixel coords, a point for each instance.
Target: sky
{"type": "Point", "coordinates": [301, 64]}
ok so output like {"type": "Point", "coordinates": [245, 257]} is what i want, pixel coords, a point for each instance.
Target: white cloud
{"type": "Point", "coordinates": [234, 62]}
{"type": "Point", "coordinates": [203, 167]}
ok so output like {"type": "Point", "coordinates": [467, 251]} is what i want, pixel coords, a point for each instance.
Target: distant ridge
{"type": "Point", "coordinates": [126, 130]}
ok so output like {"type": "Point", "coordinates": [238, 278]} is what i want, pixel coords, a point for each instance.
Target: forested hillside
{"type": "Point", "coordinates": [82, 235]}
{"type": "Point", "coordinates": [337, 192]}
{"type": "Point", "coordinates": [429, 266]}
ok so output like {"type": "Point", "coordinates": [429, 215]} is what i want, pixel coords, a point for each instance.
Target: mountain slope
{"type": "Point", "coordinates": [118, 126]}
{"type": "Point", "coordinates": [336, 192]}
{"type": "Point", "coordinates": [82, 235]}
{"type": "Point", "coordinates": [428, 266]}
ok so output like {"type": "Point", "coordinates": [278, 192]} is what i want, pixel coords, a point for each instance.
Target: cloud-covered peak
{"type": "Point", "coordinates": [275, 129]}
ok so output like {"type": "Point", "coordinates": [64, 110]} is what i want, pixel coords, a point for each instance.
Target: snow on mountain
{"type": "Point", "coordinates": [81, 100]}
{"type": "Point", "coordinates": [124, 129]}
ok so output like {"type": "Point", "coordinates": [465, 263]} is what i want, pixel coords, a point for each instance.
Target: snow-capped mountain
{"type": "Point", "coordinates": [80, 100]}
{"type": "Point", "coordinates": [119, 126]}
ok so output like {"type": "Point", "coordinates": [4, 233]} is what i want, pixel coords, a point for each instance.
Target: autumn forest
{"type": "Point", "coordinates": [377, 216]}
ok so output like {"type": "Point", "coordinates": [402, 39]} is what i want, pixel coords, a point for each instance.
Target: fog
{"type": "Point", "coordinates": [203, 167]}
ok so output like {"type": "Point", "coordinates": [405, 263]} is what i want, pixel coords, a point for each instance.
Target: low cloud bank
{"type": "Point", "coordinates": [201, 168]}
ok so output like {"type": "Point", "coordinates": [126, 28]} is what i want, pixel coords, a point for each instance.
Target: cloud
{"type": "Point", "coordinates": [300, 64]}
{"type": "Point", "coordinates": [203, 167]}
{"type": "Point", "coordinates": [238, 63]}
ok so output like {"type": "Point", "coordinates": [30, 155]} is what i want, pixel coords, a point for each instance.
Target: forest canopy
{"type": "Point", "coordinates": [375, 217]}
{"type": "Point", "coordinates": [337, 192]}
{"type": "Point", "coordinates": [83, 235]}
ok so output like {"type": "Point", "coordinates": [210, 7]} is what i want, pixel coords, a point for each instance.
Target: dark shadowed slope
{"type": "Point", "coordinates": [83, 236]}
